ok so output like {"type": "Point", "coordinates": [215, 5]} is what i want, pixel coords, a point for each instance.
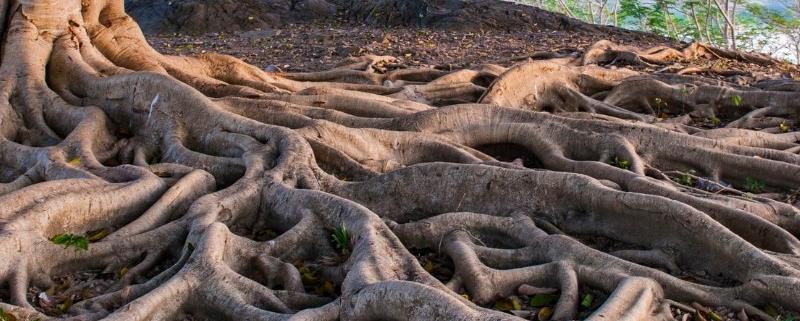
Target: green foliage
{"type": "Point", "coordinates": [621, 163]}
{"type": "Point", "coordinates": [341, 238]}
{"type": "Point", "coordinates": [757, 23]}
{"type": "Point", "coordinates": [541, 300]}
{"type": "Point", "coordinates": [755, 185]}
{"type": "Point", "coordinates": [79, 242]}
{"type": "Point", "coordinates": [736, 100]}
{"type": "Point", "coordinates": [685, 180]}
{"type": "Point", "coordinates": [634, 13]}
{"type": "Point", "coordinates": [587, 300]}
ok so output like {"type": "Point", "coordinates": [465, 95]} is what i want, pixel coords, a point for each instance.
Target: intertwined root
{"type": "Point", "coordinates": [209, 189]}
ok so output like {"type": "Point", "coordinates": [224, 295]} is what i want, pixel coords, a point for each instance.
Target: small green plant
{"type": "Point", "coordinates": [659, 103]}
{"type": "Point", "coordinates": [79, 242]}
{"type": "Point", "coordinates": [621, 163]}
{"type": "Point", "coordinates": [587, 300]}
{"type": "Point", "coordinates": [736, 100]}
{"type": "Point", "coordinates": [715, 121]}
{"type": "Point", "coordinates": [541, 300]}
{"type": "Point", "coordinates": [685, 180]}
{"type": "Point", "coordinates": [341, 238]}
{"type": "Point", "coordinates": [755, 185]}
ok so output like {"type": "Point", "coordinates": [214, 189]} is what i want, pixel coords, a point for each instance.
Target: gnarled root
{"type": "Point", "coordinates": [203, 187]}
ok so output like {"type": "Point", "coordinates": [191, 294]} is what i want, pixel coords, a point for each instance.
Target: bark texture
{"type": "Point", "coordinates": [209, 188]}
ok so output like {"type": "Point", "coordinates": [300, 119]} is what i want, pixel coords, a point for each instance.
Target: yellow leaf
{"type": "Point", "coordinates": [428, 266]}
{"type": "Point", "coordinates": [326, 288]}
{"type": "Point", "coordinates": [123, 271]}
{"type": "Point", "coordinates": [75, 161]}
{"type": "Point", "coordinates": [545, 313]}
{"type": "Point", "coordinates": [465, 296]}
{"type": "Point", "coordinates": [99, 235]}
{"type": "Point", "coordinates": [308, 275]}
{"type": "Point", "coordinates": [508, 304]}
{"type": "Point", "coordinates": [64, 307]}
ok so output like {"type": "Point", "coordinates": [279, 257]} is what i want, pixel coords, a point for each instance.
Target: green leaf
{"type": "Point", "coordinates": [736, 100]}
{"type": "Point", "coordinates": [755, 185]}
{"type": "Point", "coordinates": [685, 180]}
{"type": "Point", "coordinates": [79, 242]}
{"type": "Point", "coordinates": [621, 163]}
{"type": "Point", "coordinates": [82, 243]}
{"type": "Point", "coordinates": [341, 239]}
{"type": "Point", "coordinates": [714, 316]}
{"type": "Point", "coordinates": [541, 300]}
{"type": "Point", "coordinates": [587, 300]}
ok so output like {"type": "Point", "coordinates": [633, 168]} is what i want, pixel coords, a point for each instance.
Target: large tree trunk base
{"type": "Point", "coordinates": [210, 189]}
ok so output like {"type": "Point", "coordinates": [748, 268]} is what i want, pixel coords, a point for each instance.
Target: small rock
{"type": "Point", "coordinates": [45, 301]}
{"type": "Point", "coordinates": [273, 68]}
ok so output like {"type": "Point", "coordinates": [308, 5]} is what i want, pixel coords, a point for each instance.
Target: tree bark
{"type": "Point", "coordinates": [206, 188]}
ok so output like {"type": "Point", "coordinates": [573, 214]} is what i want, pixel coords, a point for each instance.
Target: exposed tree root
{"type": "Point", "coordinates": [208, 188]}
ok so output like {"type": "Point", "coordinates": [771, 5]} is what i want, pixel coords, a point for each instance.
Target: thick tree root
{"type": "Point", "coordinates": [205, 188]}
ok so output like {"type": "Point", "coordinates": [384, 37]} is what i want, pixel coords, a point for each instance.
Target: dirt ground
{"type": "Point", "coordinates": [320, 45]}
{"type": "Point", "coordinates": [316, 46]}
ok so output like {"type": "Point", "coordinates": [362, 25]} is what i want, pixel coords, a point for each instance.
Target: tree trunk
{"type": "Point", "coordinates": [139, 186]}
